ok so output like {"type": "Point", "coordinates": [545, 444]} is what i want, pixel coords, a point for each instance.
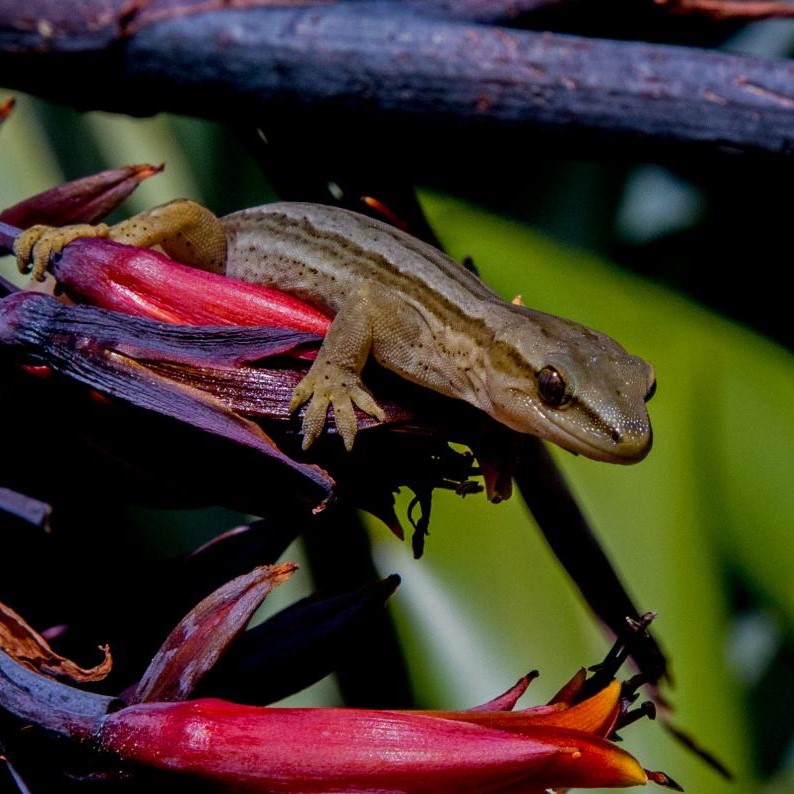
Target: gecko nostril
{"type": "Point", "coordinates": [617, 436]}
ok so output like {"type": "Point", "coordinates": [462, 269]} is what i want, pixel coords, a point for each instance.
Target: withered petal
{"type": "Point", "coordinates": [82, 343]}
{"type": "Point", "coordinates": [24, 644]}
{"type": "Point", "coordinates": [40, 321]}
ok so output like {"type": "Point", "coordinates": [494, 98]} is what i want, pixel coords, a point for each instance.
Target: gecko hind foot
{"type": "Point", "coordinates": [34, 247]}
{"type": "Point", "coordinates": [326, 385]}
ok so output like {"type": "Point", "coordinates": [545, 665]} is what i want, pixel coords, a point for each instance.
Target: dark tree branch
{"type": "Point", "coordinates": [354, 63]}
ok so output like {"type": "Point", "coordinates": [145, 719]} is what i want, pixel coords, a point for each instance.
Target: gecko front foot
{"type": "Point", "coordinates": [329, 384]}
{"type": "Point", "coordinates": [34, 247]}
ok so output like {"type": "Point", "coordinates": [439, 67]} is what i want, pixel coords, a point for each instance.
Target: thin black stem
{"type": "Point", "coordinates": [340, 557]}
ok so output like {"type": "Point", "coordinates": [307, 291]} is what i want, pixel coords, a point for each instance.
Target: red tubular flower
{"type": "Point", "coordinates": [229, 747]}
{"type": "Point", "coordinates": [149, 284]}
{"type": "Point", "coordinates": [246, 748]}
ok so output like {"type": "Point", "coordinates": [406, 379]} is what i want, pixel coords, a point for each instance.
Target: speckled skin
{"type": "Point", "coordinates": [421, 315]}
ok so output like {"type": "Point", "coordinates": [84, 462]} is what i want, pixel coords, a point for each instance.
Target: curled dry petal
{"type": "Point", "coordinates": [246, 748]}
{"type": "Point", "coordinates": [29, 648]}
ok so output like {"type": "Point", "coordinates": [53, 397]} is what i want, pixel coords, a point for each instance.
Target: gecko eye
{"type": "Point", "coordinates": [552, 387]}
{"type": "Point", "coordinates": [651, 390]}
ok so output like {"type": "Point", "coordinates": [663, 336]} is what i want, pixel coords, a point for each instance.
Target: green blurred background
{"type": "Point", "coordinates": [701, 531]}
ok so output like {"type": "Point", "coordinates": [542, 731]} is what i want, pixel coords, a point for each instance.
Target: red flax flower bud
{"type": "Point", "coordinates": [246, 748]}
{"type": "Point", "coordinates": [149, 284]}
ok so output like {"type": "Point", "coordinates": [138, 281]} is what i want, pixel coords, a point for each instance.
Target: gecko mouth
{"type": "Point", "coordinates": [577, 429]}
{"type": "Point", "coordinates": [610, 446]}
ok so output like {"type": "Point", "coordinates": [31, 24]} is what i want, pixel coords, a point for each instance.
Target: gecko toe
{"type": "Point", "coordinates": [34, 247]}
{"type": "Point", "coordinates": [314, 419]}
{"type": "Point", "coordinates": [327, 384]}
{"type": "Point", "coordinates": [24, 245]}
{"type": "Point", "coordinates": [345, 419]}
{"type": "Point", "coordinates": [302, 393]}
{"type": "Point", "coordinates": [366, 402]}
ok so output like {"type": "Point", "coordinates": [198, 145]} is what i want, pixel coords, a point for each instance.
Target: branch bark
{"type": "Point", "coordinates": [383, 63]}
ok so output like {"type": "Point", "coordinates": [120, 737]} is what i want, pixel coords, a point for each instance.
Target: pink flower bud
{"type": "Point", "coordinates": [149, 284]}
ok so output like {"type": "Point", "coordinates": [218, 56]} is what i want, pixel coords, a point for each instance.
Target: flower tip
{"type": "Point", "coordinates": [594, 763]}
{"type": "Point", "coordinates": [6, 106]}
{"type": "Point", "coordinates": [145, 170]}
{"type": "Point", "coordinates": [663, 779]}
{"type": "Point", "coordinates": [568, 692]}
{"type": "Point", "coordinates": [507, 700]}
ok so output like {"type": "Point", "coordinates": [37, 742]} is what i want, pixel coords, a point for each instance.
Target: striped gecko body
{"type": "Point", "coordinates": [421, 315]}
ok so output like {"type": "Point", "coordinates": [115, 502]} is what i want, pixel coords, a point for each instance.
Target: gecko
{"type": "Point", "coordinates": [412, 308]}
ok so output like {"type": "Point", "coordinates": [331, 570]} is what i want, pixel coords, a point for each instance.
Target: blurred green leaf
{"type": "Point", "coordinates": [489, 602]}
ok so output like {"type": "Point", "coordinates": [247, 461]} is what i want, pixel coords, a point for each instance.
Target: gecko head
{"type": "Point", "coordinates": [570, 385]}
